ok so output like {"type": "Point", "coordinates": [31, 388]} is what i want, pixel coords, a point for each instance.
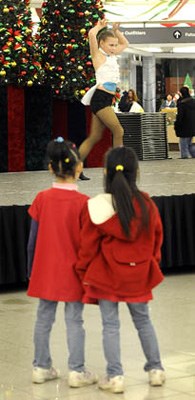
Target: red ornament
{"type": "Point", "coordinates": [88, 63]}
{"type": "Point", "coordinates": [69, 46]}
{"type": "Point", "coordinates": [57, 12]}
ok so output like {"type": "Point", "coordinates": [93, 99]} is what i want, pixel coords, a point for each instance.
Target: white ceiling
{"type": "Point", "coordinates": [124, 9]}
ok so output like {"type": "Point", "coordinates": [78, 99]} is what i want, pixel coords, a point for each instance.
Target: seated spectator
{"type": "Point", "coordinates": [129, 102]}
{"type": "Point", "coordinates": [168, 102]}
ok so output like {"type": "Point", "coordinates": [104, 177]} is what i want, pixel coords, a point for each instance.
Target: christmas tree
{"type": "Point", "coordinates": [188, 82]}
{"type": "Point", "coordinates": [19, 59]}
{"type": "Point", "coordinates": [64, 45]}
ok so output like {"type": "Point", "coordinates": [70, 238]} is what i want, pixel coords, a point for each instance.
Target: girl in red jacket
{"type": "Point", "coordinates": [52, 254]}
{"type": "Point", "coordinates": [119, 261]}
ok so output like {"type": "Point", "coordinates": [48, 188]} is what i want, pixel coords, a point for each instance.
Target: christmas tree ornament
{"type": "Point", "coordinates": [29, 83]}
{"type": "Point", "coordinates": [82, 92]}
{"type": "Point", "coordinates": [64, 36]}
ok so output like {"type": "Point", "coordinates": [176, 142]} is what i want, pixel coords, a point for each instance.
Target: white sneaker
{"type": "Point", "coordinates": [113, 385]}
{"type": "Point", "coordinates": [79, 379]}
{"type": "Point", "coordinates": [41, 375]}
{"type": "Point", "coordinates": [156, 377]}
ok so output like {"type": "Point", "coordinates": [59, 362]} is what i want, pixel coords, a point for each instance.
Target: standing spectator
{"type": "Point", "coordinates": [119, 262]}
{"type": "Point", "coordinates": [52, 254]}
{"type": "Point", "coordinates": [185, 122]}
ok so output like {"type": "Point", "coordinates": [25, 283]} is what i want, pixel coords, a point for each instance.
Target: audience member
{"type": "Point", "coordinates": [119, 262]}
{"type": "Point", "coordinates": [185, 123]}
{"type": "Point", "coordinates": [168, 102]}
{"type": "Point", "coordinates": [129, 102]}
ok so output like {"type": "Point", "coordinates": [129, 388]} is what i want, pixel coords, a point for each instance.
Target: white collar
{"type": "Point", "coordinates": [65, 186]}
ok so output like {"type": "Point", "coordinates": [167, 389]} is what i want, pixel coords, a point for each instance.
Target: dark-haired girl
{"type": "Point", "coordinates": [104, 44]}
{"type": "Point", "coordinates": [119, 262]}
{"type": "Point", "coordinates": [52, 253]}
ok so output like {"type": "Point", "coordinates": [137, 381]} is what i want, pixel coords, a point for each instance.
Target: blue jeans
{"type": "Point", "coordinates": [186, 147]}
{"type": "Point", "coordinates": [111, 336]}
{"type": "Point", "coordinates": [75, 334]}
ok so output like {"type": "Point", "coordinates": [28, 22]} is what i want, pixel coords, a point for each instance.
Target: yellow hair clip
{"type": "Point", "coordinates": [67, 160]}
{"type": "Point", "coordinates": [119, 167]}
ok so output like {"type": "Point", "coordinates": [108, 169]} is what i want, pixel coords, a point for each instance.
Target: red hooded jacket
{"type": "Point", "coordinates": [113, 266]}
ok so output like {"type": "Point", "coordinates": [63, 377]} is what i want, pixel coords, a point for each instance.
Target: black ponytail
{"type": "Point", "coordinates": [120, 181]}
{"type": "Point", "coordinates": [63, 157]}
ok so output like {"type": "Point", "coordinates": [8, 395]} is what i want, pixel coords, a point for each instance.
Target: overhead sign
{"type": "Point", "coordinates": [159, 35]}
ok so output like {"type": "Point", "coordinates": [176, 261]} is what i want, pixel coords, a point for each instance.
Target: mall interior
{"type": "Point", "coordinates": [154, 65]}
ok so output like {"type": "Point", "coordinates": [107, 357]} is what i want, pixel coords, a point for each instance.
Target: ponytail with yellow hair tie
{"type": "Point", "coordinates": [119, 167]}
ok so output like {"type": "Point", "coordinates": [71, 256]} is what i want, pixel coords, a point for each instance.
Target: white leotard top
{"type": "Point", "coordinates": [108, 71]}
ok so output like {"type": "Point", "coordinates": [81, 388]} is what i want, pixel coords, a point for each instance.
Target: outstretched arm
{"type": "Point", "coordinates": [122, 41]}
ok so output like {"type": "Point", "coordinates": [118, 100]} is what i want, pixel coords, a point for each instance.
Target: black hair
{"type": "Point", "coordinates": [120, 180]}
{"type": "Point", "coordinates": [63, 157]}
{"type": "Point", "coordinates": [185, 91]}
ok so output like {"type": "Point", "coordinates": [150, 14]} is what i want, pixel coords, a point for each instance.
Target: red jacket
{"type": "Point", "coordinates": [59, 216]}
{"type": "Point", "coordinates": [116, 265]}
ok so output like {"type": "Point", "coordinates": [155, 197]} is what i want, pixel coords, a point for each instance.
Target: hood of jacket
{"type": "Point", "coordinates": [103, 215]}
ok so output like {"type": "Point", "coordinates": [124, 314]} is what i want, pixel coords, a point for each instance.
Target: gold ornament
{"type": "Point", "coordinates": [44, 21]}
{"type": "Point", "coordinates": [80, 68]}
{"type": "Point", "coordinates": [2, 72]}
{"type": "Point", "coordinates": [5, 10]}
{"type": "Point", "coordinates": [24, 49]}
{"type": "Point", "coordinates": [62, 77]}
{"type": "Point", "coordinates": [13, 64]}
{"type": "Point", "coordinates": [29, 83]}
{"type": "Point", "coordinates": [82, 31]}
{"type": "Point", "coordinates": [82, 92]}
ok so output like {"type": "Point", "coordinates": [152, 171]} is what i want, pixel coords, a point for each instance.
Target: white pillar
{"type": "Point", "coordinates": [149, 84]}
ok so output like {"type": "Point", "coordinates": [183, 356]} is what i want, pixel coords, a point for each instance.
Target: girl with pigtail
{"type": "Point", "coordinates": [119, 260]}
{"type": "Point", "coordinates": [56, 221]}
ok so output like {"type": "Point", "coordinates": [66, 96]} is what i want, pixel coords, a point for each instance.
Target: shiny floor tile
{"type": "Point", "coordinates": [172, 312]}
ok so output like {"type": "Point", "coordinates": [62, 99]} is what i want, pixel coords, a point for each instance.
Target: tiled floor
{"type": "Point", "coordinates": [172, 311]}
{"type": "Point", "coordinates": [173, 314]}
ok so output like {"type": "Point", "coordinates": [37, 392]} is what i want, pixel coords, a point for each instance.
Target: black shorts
{"type": "Point", "coordinates": [100, 99]}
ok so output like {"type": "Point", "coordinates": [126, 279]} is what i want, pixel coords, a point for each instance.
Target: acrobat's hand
{"type": "Point", "coordinates": [115, 26]}
{"type": "Point", "coordinates": [102, 23]}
